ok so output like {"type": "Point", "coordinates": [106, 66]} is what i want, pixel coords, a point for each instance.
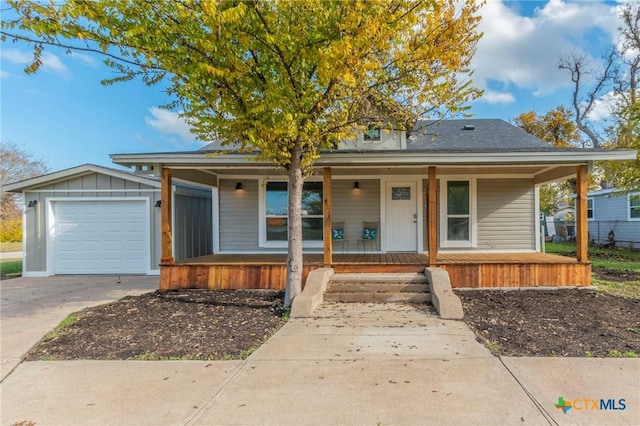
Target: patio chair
{"type": "Point", "coordinates": [337, 235]}
{"type": "Point", "coordinates": [369, 236]}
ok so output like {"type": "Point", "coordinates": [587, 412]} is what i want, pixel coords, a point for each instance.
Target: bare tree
{"type": "Point", "coordinates": [16, 164]}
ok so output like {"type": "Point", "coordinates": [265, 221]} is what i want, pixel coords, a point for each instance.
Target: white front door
{"type": "Point", "coordinates": [401, 216]}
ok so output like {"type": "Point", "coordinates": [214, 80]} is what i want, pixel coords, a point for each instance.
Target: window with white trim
{"type": "Point", "coordinates": [458, 212]}
{"type": "Point", "coordinates": [276, 213]}
{"type": "Point", "coordinates": [634, 206]}
{"type": "Point", "coordinates": [590, 209]}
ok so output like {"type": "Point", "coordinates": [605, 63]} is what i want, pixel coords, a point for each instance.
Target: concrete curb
{"type": "Point", "coordinates": [443, 298]}
{"type": "Point", "coordinates": [312, 296]}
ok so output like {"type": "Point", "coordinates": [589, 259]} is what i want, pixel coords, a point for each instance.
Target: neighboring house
{"type": "Point", "coordinates": [463, 194]}
{"type": "Point", "coordinates": [614, 210]}
{"type": "Point", "coordinates": [97, 220]}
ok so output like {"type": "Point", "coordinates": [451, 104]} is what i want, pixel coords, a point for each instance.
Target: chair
{"type": "Point", "coordinates": [337, 234]}
{"type": "Point", "coordinates": [370, 232]}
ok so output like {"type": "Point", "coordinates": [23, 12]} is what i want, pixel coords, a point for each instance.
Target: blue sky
{"type": "Point", "coordinates": [66, 117]}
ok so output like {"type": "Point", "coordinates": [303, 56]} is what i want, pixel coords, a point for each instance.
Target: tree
{"type": "Point", "coordinates": [558, 128]}
{"type": "Point", "coordinates": [284, 79]}
{"type": "Point", "coordinates": [16, 164]}
{"type": "Point", "coordinates": [616, 81]}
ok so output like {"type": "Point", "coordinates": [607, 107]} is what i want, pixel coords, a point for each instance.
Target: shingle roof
{"type": "Point", "coordinates": [473, 135]}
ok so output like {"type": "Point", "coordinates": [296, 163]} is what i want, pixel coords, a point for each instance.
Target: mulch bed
{"type": "Point", "coordinates": [554, 323]}
{"type": "Point", "coordinates": [182, 324]}
{"type": "Point", "coordinates": [229, 324]}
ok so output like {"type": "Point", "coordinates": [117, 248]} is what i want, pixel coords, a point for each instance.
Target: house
{"type": "Point", "coordinates": [459, 194]}
{"type": "Point", "coordinates": [612, 210]}
{"type": "Point", "coordinates": [97, 220]}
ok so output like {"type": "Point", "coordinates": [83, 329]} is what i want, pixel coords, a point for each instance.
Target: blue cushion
{"type": "Point", "coordinates": [369, 233]}
{"type": "Point", "coordinates": [337, 234]}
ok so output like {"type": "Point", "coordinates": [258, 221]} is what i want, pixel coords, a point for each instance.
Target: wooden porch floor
{"type": "Point", "coordinates": [382, 259]}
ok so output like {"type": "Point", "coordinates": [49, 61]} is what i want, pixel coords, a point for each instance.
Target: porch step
{"type": "Point", "coordinates": [378, 288]}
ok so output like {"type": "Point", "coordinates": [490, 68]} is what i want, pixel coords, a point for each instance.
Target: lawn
{"type": "Point", "coordinates": [7, 247]}
{"type": "Point", "coordinates": [615, 270]}
{"type": "Point", "coordinates": [10, 268]}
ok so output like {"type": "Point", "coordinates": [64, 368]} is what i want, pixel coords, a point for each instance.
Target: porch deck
{"type": "Point", "coordinates": [268, 271]}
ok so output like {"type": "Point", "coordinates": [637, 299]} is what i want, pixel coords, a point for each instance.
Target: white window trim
{"type": "Point", "coordinates": [262, 217]}
{"type": "Point", "coordinates": [473, 203]}
{"type": "Point", "coordinates": [631, 219]}
{"type": "Point", "coordinates": [593, 209]}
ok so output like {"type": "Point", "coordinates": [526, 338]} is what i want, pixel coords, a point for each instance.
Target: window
{"type": "Point", "coordinates": [634, 206]}
{"type": "Point", "coordinates": [589, 208]}
{"type": "Point", "coordinates": [457, 218]}
{"type": "Point", "coordinates": [276, 213]}
{"type": "Point", "coordinates": [372, 134]}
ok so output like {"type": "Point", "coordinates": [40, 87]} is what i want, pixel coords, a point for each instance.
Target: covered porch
{"type": "Point", "coordinates": [268, 271]}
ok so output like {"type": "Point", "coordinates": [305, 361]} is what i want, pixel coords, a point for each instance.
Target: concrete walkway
{"type": "Point", "coordinates": [351, 364]}
{"type": "Point", "coordinates": [11, 255]}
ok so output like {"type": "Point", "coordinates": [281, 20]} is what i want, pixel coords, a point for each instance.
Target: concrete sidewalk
{"type": "Point", "coordinates": [352, 364]}
{"type": "Point", "coordinates": [31, 307]}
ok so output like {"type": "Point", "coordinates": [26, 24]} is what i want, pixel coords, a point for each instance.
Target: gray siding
{"type": "Point", "coordinates": [192, 234]}
{"type": "Point", "coordinates": [238, 215]}
{"type": "Point", "coordinates": [355, 206]}
{"type": "Point", "coordinates": [506, 214]}
{"type": "Point", "coordinates": [90, 184]}
{"type": "Point", "coordinates": [610, 212]}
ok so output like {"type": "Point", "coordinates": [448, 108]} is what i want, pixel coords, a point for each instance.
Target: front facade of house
{"type": "Point", "coordinates": [614, 210]}
{"type": "Point", "coordinates": [458, 187]}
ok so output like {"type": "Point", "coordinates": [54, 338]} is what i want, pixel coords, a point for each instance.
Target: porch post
{"type": "Point", "coordinates": [582, 230]}
{"type": "Point", "coordinates": [165, 211]}
{"type": "Point", "coordinates": [433, 218]}
{"type": "Point", "coordinates": [327, 237]}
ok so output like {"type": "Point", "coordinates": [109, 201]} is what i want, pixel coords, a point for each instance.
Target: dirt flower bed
{"type": "Point", "coordinates": [554, 323]}
{"type": "Point", "coordinates": [183, 324]}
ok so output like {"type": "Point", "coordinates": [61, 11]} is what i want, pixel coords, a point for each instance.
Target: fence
{"type": "Point", "coordinates": [625, 233]}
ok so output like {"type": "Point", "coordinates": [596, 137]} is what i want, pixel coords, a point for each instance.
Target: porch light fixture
{"type": "Point", "coordinates": [33, 203]}
{"type": "Point", "coordinates": [238, 186]}
{"type": "Point", "coordinates": [356, 185]}
{"type": "Point", "coordinates": [159, 203]}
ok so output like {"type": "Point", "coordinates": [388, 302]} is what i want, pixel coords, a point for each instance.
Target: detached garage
{"type": "Point", "coordinates": [97, 220]}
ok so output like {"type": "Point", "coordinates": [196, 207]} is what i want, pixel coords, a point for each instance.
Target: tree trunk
{"type": "Point", "coordinates": [294, 257]}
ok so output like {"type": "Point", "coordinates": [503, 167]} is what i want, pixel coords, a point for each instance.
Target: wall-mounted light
{"type": "Point", "coordinates": [238, 186]}
{"type": "Point", "coordinates": [33, 203]}
{"type": "Point", "coordinates": [159, 203]}
{"type": "Point", "coordinates": [356, 185]}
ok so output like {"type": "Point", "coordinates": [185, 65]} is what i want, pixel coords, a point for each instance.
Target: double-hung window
{"type": "Point", "coordinates": [276, 215]}
{"type": "Point", "coordinates": [634, 206]}
{"type": "Point", "coordinates": [590, 209]}
{"type": "Point", "coordinates": [457, 221]}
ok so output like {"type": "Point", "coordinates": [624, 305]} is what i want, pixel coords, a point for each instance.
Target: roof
{"type": "Point", "coordinates": [78, 171]}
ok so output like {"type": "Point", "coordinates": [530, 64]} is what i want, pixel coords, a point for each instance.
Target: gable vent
{"type": "Point", "coordinates": [469, 127]}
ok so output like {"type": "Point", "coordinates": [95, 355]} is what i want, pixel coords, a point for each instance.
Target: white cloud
{"type": "Point", "coordinates": [4, 74]}
{"type": "Point", "coordinates": [50, 62]}
{"type": "Point", "coordinates": [169, 123]}
{"type": "Point", "coordinates": [603, 106]}
{"type": "Point", "coordinates": [85, 59]}
{"type": "Point", "coordinates": [524, 51]}
{"type": "Point", "coordinates": [493, 97]}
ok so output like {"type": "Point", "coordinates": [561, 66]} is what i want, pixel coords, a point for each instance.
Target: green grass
{"type": "Point", "coordinates": [7, 247]}
{"type": "Point", "coordinates": [615, 259]}
{"type": "Point", "coordinates": [10, 268]}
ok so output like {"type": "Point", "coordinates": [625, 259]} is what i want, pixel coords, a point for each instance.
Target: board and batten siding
{"type": "Point", "coordinates": [193, 225]}
{"type": "Point", "coordinates": [506, 210]}
{"type": "Point", "coordinates": [91, 185]}
{"type": "Point", "coordinates": [238, 215]}
{"type": "Point", "coordinates": [354, 206]}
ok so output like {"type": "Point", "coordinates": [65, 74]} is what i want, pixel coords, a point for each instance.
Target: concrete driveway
{"type": "Point", "coordinates": [31, 307]}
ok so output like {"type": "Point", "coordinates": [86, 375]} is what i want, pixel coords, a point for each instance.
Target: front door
{"type": "Point", "coordinates": [401, 216]}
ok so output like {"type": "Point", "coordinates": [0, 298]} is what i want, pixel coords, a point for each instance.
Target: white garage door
{"type": "Point", "coordinates": [100, 237]}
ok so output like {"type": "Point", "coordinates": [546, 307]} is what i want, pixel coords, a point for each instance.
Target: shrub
{"type": "Point", "coordinates": [11, 230]}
